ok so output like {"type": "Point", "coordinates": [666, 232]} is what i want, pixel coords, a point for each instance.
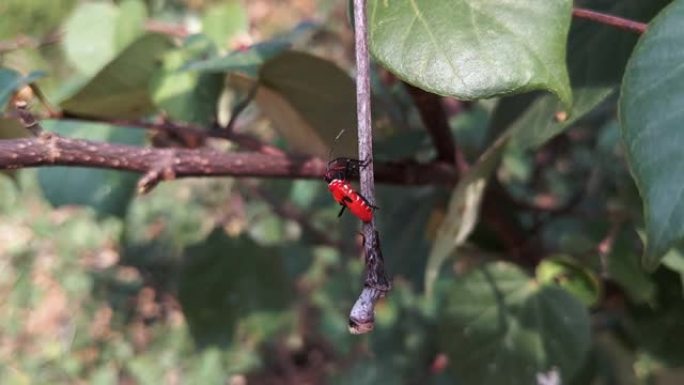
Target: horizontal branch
{"type": "Point", "coordinates": [613, 21]}
{"type": "Point", "coordinates": [49, 149]}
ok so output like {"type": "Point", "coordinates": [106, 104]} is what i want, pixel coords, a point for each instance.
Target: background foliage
{"type": "Point", "coordinates": [546, 259]}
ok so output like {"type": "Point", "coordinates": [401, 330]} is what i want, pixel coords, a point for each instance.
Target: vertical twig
{"type": "Point", "coordinates": [376, 285]}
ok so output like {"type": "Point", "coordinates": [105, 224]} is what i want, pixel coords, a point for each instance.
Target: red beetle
{"type": "Point", "coordinates": [337, 175]}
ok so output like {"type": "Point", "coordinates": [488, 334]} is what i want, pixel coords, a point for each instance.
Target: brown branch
{"type": "Point", "coordinates": [375, 286]}
{"type": "Point", "coordinates": [613, 21]}
{"type": "Point", "coordinates": [435, 120]}
{"type": "Point", "coordinates": [361, 317]}
{"type": "Point", "coordinates": [50, 149]}
{"type": "Point", "coordinates": [186, 132]}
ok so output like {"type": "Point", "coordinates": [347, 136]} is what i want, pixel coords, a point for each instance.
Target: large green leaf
{"type": "Point", "coordinates": [247, 61]}
{"type": "Point", "coordinates": [107, 191]}
{"type": "Point", "coordinates": [121, 89]}
{"type": "Point", "coordinates": [222, 22]}
{"type": "Point", "coordinates": [89, 36]}
{"type": "Point", "coordinates": [96, 31]}
{"type": "Point", "coordinates": [34, 17]}
{"type": "Point", "coordinates": [597, 57]}
{"type": "Point", "coordinates": [188, 96]}
{"type": "Point", "coordinates": [131, 22]}
{"type": "Point", "coordinates": [500, 327]}
{"type": "Point", "coordinates": [655, 326]}
{"type": "Point", "coordinates": [651, 116]}
{"type": "Point", "coordinates": [309, 100]}
{"type": "Point", "coordinates": [474, 49]}
{"type": "Point", "coordinates": [624, 268]}
{"type": "Point", "coordinates": [463, 212]}
{"type": "Point", "coordinates": [226, 279]}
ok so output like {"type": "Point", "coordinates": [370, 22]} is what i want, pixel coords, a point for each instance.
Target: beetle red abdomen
{"type": "Point", "coordinates": [344, 194]}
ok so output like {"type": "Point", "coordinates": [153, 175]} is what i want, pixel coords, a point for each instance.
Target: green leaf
{"type": "Point", "coordinates": [368, 373]}
{"type": "Point", "coordinates": [247, 61]}
{"type": "Point", "coordinates": [405, 234]}
{"type": "Point", "coordinates": [11, 129]}
{"type": "Point", "coordinates": [89, 36]}
{"type": "Point", "coordinates": [11, 81]}
{"type": "Point", "coordinates": [500, 327]}
{"type": "Point", "coordinates": [463, 212]}
{"type": "Point", "coordinates": [35, 18]}
{"type": "Point", "coordinates": [597, 57]}
{"type": "Point", "coordinates": [130, 23]}
{"type": "Point", "coordinates": [674, 260]}
{"type": "Point", "coordinates": [187, 96]}
{"type": "Point", "coordinates": [651, 115]}
{"type": "Point", "coordinates": [571, 276]}
{"type": "Point", "coordinates": [653, 327]}
{"type": "Point", "coordinates": [624, 268]}
{"type": "Point", "coordinates": [226, 279]}
{"type": "Point", "coordinates": [474, 49]}
{"type": "Point", "coordinates": [121, 89]}
{"type": "Point", "coordinates": [108, 191]}
{"type": "Point", "coordinates": [224, 21]}
{"type": "Point", "coordinates": [309, 100]}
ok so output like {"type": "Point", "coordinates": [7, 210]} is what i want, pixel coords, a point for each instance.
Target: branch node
{"type": "Point", "coordinates": [164, 170]}
{"type": "Point", "coordinates": [27, 119]}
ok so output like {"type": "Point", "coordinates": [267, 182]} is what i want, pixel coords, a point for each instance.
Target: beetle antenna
{"type": "Point", "coordinates": [332, 148]}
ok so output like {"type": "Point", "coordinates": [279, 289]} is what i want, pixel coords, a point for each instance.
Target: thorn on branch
{"type": "Point", "coordinates": [27, 119]}
{"type": "Point", "coordinates": [162, 171]}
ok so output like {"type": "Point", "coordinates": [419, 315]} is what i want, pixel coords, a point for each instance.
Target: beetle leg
{"type": "Point", "coordinates": [341, 210]}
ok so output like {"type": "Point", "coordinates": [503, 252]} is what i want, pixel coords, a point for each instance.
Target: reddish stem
{"type": "Point", "coordinates": [613, 21]}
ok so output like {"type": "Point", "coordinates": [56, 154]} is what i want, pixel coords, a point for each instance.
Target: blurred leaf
{"type": "Point", "coordinates": [226, 279]}
{"type": "Point", "coordinates": [34, 18]}
{"type": "Point", "coordinates": [107, 191]}
{"type": "Point", "coordinates": [473, 50]}
{"type": "Point", "coordinates": [224, 21]}
{"type": "Point", "coordinates": [11, 129]}
{"type": "Point", "coordinates": [309, 100]}
{"type": "Point", "coordinates": [89, 36]}
{"type": "Point", "coordinates": [624, 268]}
{"type": "Point", "coordinates": [599, 56]}
{"type": "Point", "coordinates": [571, 276]}
{"type": "Point", "coordinates": [121, 89]}
{"type": "Point", "coordinates": [653, 327]}
{"type": "Point", "coordinates": [145, 370]}
{"type": "Point", "coordinates": [501, 327]}
{"type": "Point", "coordinates": [404, 222]}
{"type": "Point", "coordinates": [539, 122]}
{"type": "Point", "coordinates": [187, 96]}
{"type": "Point", "coordinates": [463, 212]}
{"type": "Point", "coordinates": [247, 60]}
{"type": "Point", "coordinates": [104, 376]}
{"type": "Point", "coordinates": [674, 260]}
{"type": "Point", "coordinates": [650, 113]}
{"type": "Point", "coordinates": [130, 23]}
{"type": "Point", "coordinates": [368, 373]}
{"type": "Point", "coordinates": [403, 338]}
{"type": "Point", "coordinates": [11, 81]}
